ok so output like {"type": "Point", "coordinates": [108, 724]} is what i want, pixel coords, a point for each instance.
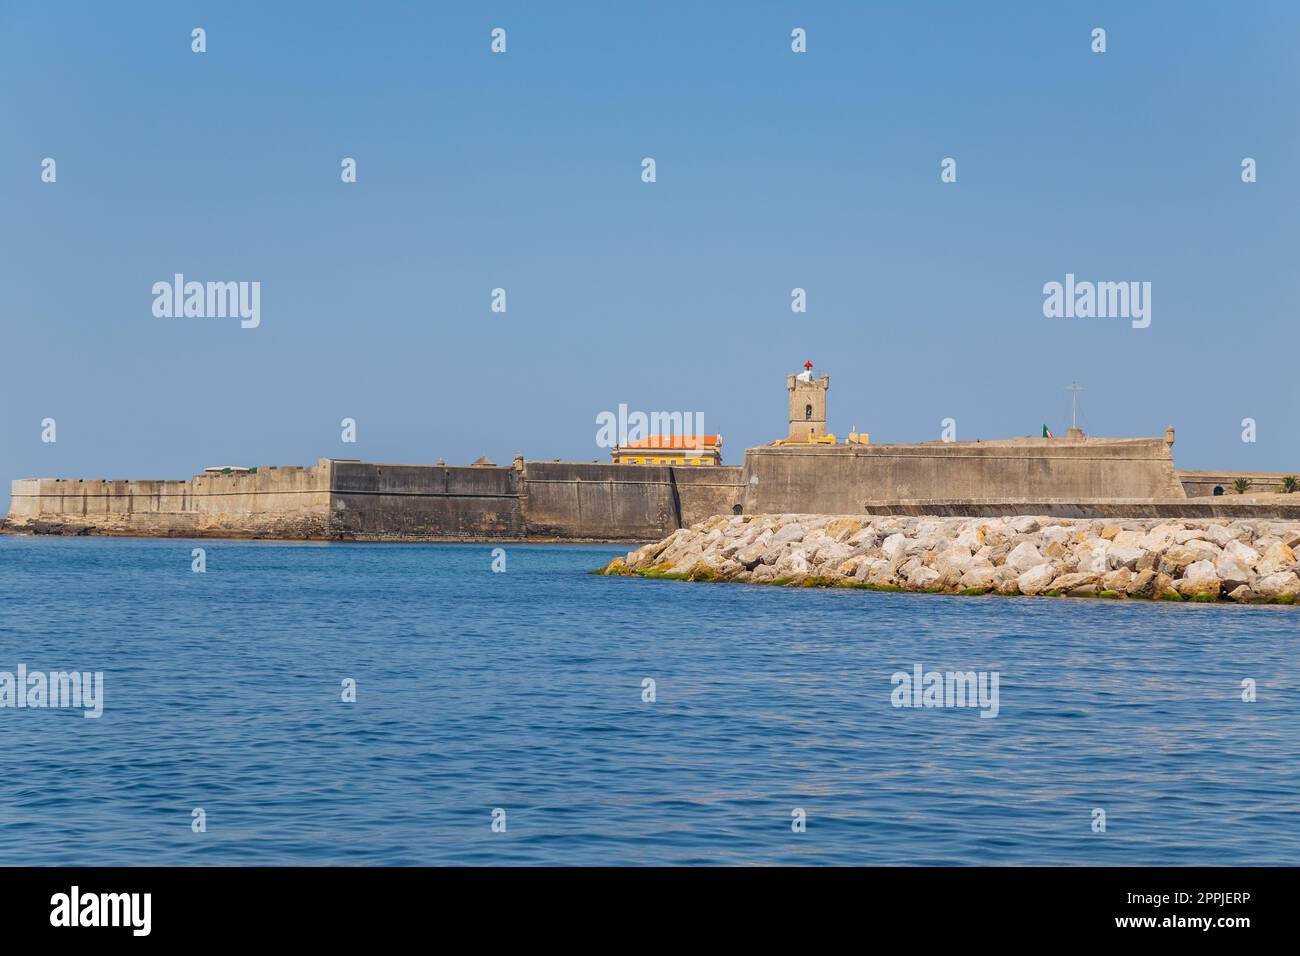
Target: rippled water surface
{"type": "Point", "coordinates": [523, 690]}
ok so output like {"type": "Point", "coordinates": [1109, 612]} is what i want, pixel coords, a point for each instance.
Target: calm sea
{"type": "Point", "coordinates": [523, 691]}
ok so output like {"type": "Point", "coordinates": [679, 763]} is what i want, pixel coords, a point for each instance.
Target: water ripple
{"type": "Point", "coordinates": [523, 691]}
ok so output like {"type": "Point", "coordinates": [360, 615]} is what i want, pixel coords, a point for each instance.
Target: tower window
{"type": "Point", "coordinates": [807, 413]}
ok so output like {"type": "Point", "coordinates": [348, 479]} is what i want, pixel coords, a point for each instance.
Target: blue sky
{"type": "Point", "coordinates": [775, 170]}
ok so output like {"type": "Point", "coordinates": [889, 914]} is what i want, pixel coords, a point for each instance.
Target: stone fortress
{"type": "Point", "coordinates": [807, 472]}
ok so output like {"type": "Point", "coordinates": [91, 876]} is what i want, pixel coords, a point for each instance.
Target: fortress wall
{"type": "Point", "coordinates": [368, 500]}
{"type": "Point", "coordinates": [1202, 483]}
{"type": "Point", "coordinates": [705, 492]}
{"type": "Point", "coordinates": [576, 500]}
{"type": "Point", "coordinates": [600, 501]}
{"type": "Point", "coordinates": [96, 497]}
{"type": "Point", "coordinates": [1231, 507]}
{"type": "Point", "coordinates": [623, 502]}
{"type": "Point", "coordinates": [546, 500]}
{"type": "Point", "coordinates": [284, 502]}
{"type": "Point", "coordinates": [24, 498]}
{"type": "Point", "coordinates": [842, 479]}
{"type": "Point", "coordinates": [378, 501]}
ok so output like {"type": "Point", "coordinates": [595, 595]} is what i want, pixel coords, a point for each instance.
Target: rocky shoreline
{"type": "Point", "coordinates": [1246, 561]}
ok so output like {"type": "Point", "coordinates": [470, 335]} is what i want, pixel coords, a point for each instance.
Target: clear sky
{"type": "Point", "coordinates": [522, 170]}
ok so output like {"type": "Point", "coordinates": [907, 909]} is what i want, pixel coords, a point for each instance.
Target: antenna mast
{"type": "Point", "coordinates": [1074, 388]}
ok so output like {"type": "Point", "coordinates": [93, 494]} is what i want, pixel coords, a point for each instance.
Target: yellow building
{"type": "Point", "coordinates": [671, 450]}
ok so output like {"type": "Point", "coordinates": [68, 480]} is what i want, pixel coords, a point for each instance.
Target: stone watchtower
{"type": "Point", "coordinates": [807, 404]}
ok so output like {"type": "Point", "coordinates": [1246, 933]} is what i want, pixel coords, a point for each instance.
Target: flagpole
{"type": "Point", "coordinates": [1074, 388]}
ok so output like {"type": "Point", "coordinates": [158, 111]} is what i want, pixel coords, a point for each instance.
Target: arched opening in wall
{"type": "Point", "coordinates": [1218, 490]}
{"type": "Point", "coordinates": [807, 413]}
{"type": "Point", "coordinates": [736, 509]}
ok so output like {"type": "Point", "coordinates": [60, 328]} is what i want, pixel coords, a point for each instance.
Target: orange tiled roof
{"type": "Point", "coordinates": [674, 441]}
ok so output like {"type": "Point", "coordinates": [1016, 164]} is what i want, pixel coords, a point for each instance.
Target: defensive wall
{"type": "Point", "coordinates": [1201, 484]}
{"type": "Point", "coordinates": [272, 502]}
{"type": "Point", "coordinates": [842, 479]}
{"type": "Point", "coordinates": [576, 501]}
{"type": "Point", "coordinates": [542, 501]}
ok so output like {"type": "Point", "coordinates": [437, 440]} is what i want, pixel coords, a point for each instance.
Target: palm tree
{"type": "Point", "coordinates": [1239, 485]}
{"type": "Point", "coordinates": [1290, 483]}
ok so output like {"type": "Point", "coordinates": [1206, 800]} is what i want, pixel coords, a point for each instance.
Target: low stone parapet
{"type": "Point", "coordinates": [1235, 507]}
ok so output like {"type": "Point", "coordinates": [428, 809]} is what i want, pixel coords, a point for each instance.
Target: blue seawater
{"type": "Point", "coordinates": [523, 691]}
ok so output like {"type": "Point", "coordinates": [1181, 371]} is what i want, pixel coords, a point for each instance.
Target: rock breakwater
{"type": "Point", "coordinates": [1247, 561]}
